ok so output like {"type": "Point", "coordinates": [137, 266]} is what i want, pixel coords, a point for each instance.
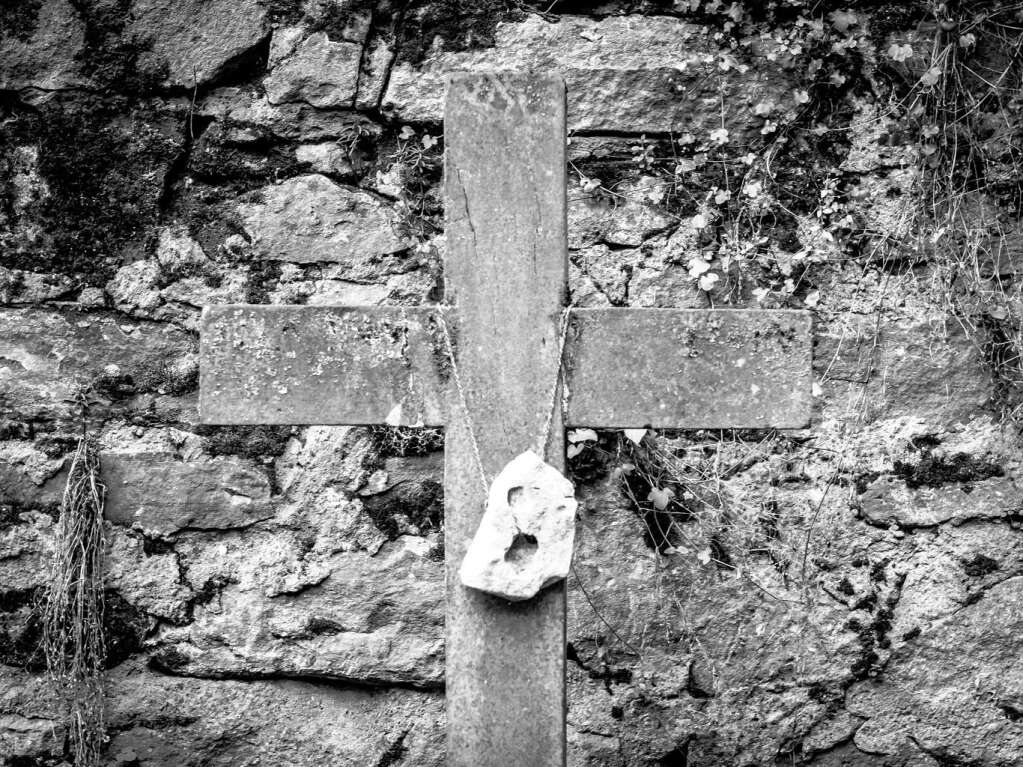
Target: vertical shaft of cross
{"type": "Point", "coordinates": [505, 273]}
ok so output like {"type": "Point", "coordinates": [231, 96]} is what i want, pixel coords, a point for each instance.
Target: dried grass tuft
{"type": "Point", "coordinates": [73, 638]}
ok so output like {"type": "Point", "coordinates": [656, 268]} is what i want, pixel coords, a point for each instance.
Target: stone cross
{"type": "Point", "coordinates": [505, 280]}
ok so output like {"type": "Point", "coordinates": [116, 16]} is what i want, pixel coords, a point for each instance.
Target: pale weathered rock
{"type": "Point", "coordinates": [888, 500]}
{"type": "Point", "coordinates": [318, 71]}
{"type": "Point", "coordinates": [162, 482]}
{"type": "Point", "coordinates": [310, 219]}
{"type": "Point", "coordinates": [929, 372]}
{"type": "Point", "coordinates": [376, 67]}
{"type": "Point", "coordinates": [956, 690]}
{"type": "Point", "coordinates": [18, 287]}
{"type": "Point", "coordinates": [524, 541]}
{"type": "Point", "coordinates": [652, 74]}
{"type": "Point", "coordinates": [951, 567]}
{"type": "Point", "coordinates": [245, 111]}
{"type": "Point", "coordinates": [25, 547]}
{"type": "Point", "coordinates": [610, 271]}
{"type": "Point", "coordinates": [326, 157]}
{"type": "Point", "coordinates": [135, 287]}
{"type": "Point", "coordinates": [287, 610]}
{"type": "Point", "coordinates": [195, 40]}
{"type": "Point", "coordinates": [627, 221]}
{"type": "Point", "coordinates": [151, 581]}
{"type": "Point", "coordinates": [318, 473]}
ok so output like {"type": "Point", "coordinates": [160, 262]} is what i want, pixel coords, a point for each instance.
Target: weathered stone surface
{"type": "Point", "coordinates": [625, 222]}
{"type": "Point", "coordinates": [325, 157]}
{"type": "Point", "coordinates": [950, 568]}
{"type": "Point", "coordinates": [19, 287]}
{"type": "Point", "coordinates": [148, 580]}
{"type": "Point", "coordinates": [45, 356]}
{"type": "Point", "coordinates": [927, 372]}
{"type": "Point", "coordinates": [161, 721]}
{"type": "Point", "coordinates": [285, 610]}
{"type": "Point", "coordinates": [244, 111]}
{"type": "Point", "coordinates": [177, 283]}
{"type": "Point", "coordinates": [161, 482]}
{"type": "Point", "coordinates": [378, 364]}
{"type": "Point", "coordinates": [25, 546]}
{"type": "Point", "coordinates": [27, 475]}
{"type": "Point", "coordinates": [316, 70]}
{"type": "Point", "coordinates": [195, 41]}
{"type": "Point", "coordinates": [524, 541]}
{"type": "Point", "coordinates": [605, 273]}
{"type": "Point", "coordinates": [888, 500]}
{"type": "Point", "coordinates": [705, 370]}
{"type": "Point", "coordinates": [44, 55]}
{"type": "Point", "coordinates": [322, 590]}
{"type": "Point", "coordinates": [319, 472]}
{"type": "Point", "coordinates": [956, 690]}
{"type": "Point", "coordinates": [310, 219]}
{"type": "Point", "coordinates": [737, 663]}
{"type": "Point", "coordinates": [657, 75]}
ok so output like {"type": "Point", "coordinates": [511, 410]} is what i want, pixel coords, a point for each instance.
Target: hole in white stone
{"type": "Point", "coordinates": [514, 495]}
{"type": "Point", "coordinates": [523, 546]}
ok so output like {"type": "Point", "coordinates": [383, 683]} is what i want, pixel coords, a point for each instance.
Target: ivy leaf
{"type": "Point", "coordinates": [660, 498]}
{"type": "Point", "coordinates": [394, 417]}
{"type": "Point", "coordinates": [719, 136]}
{"type": "Point", "coordinates": [582, 435]}
{"type": "Point", "coordinates": [636, 435]}
{"type": "Point", "coordinates": [900, 53]}
{"type": "Point", "coordinates": [931, 76]}
{"type": "Point", "coordinates": [573, 450]}
{"type": "Point", "coordinates": [704, 556]}
{"type": "Point", "coordinates": [698, 267]}
{"type": "Point", "coordinates": [842, 20]}
{"type": "Point", "coordinates": [708, 281]}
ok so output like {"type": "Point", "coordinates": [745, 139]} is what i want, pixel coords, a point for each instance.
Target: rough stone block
{"type": "Point", "coordinates": [45, 356]}
{"type": "Point", "coordinates": [888, 500]}
{"type": "Point", "coordinates": [309, 219]}
{"type": "Point", "coordinates": [195, 40]}
{"type": "Point", "coordinates": [317, 70]}
{"type": "Point", "coordinates": [162, 482]}
{"type": "Point", "coordinates": [654, 74]}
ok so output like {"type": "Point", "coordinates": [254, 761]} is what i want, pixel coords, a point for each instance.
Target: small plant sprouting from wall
{"type": "Point", "coordinates": [73, 638]}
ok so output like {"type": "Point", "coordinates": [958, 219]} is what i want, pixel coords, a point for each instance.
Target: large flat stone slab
{"type": "Point", "coordinates": [624, 367]}
{"type": "Point", "coordinates": [653, 74]}
{"type": "Point", "coordinates": [702, 369]}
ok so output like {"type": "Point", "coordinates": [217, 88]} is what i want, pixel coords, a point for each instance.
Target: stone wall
{"type": "Point", "coordinates": [850, 594]}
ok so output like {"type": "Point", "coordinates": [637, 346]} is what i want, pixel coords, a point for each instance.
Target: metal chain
{"type": "Point", "coordinates": [463, 400]}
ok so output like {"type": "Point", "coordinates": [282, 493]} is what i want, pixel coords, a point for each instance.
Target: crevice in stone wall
{"type": "Point", "coordinates": [170, 661]}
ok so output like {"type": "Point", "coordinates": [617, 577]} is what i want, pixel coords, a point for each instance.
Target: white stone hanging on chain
{"type": "Point", "coordinates": [524, 541]}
